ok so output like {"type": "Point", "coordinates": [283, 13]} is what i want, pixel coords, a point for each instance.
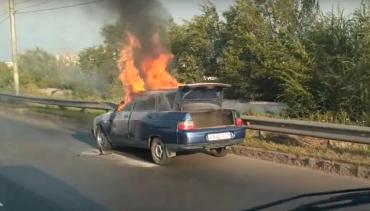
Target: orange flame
{"type": "Point", "coordinates": [152, 75]}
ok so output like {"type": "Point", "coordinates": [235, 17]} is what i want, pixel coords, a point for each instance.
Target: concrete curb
{"type": "Point", "coordinates": [345, 169]}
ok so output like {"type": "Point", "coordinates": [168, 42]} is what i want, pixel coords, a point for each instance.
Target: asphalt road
{"type": "Point", "coordinates": [50, 164]}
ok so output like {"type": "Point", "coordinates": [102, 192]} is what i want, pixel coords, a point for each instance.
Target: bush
{"type": "Point", "coordinates": [6, 78]}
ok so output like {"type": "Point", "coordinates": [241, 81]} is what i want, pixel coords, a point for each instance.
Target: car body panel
{"type": "Point", "coordinates": [199, 136]}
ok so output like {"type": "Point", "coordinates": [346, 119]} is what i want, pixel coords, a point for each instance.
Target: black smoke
{"type": "Point", "coordinates": [143, 18]}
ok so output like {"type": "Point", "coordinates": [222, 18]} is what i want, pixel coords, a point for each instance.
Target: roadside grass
{"type": "Point", "coordinates": [324, 117]}
{"type": "Point", "coordinates": [66, 112]}
{"type": "Point", "coordinates": [312, 147]}
{"type": "Point", "coordinates": [34, 91]}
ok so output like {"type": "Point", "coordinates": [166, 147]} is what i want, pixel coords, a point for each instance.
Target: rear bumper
{"type": "Point", "coordinates": [209, 145]}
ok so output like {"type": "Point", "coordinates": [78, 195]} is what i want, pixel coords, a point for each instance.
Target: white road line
{"type": "Point", "coordinates": [120, 157]}
{"type": "Point", "coordinates": [132, 161]}
{"type": "Point", "coordinates": [90, 152]}
{"type": "Point", "coordinates": [1, 204]}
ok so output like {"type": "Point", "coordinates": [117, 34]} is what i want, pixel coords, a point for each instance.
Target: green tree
{"type": "Point", "coordinates": [99, 61]}
{"type": "Point", "coordinates": [262, 58]}
{"type": "Point", "coordinates": [331, 45]}
{"type": "Point", "coordinates": [102, 60]}
{"type": "Point", "coordinates": [288, 58]}
{"type": "Point", "coordinates": [340, 47]}
{"type": "Point", "coordinates": [245, 40]}
{"type": "Point", "coordinates": [38, 67]}
{"type": "Point", "coordinates": [195, 45]}
{"type": "Point", "coordinates": [6, 78]}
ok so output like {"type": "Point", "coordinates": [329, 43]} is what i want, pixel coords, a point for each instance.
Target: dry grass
{"type": "Point", "coordinates": [305, 146]}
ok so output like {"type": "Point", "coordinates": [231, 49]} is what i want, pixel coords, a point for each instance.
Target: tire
{"type": "Point", "coordinates": [219, 152]}
{"type": "Point", "coordinates": [158, 151]}
{"type": "Point", "coordinates": [102, 142]}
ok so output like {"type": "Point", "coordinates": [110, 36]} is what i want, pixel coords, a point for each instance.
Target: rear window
{"type": "Point", "coordinates": [201, 94]}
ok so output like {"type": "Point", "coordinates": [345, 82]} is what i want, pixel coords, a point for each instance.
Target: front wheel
{"type": "Point", "coordinates": [158, 151]}
{"type": "Point", "coordinates": [219, 152]}
{"type": "Point", "coordinates": [102, 142]}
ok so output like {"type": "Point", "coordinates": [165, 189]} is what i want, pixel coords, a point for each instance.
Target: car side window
{"type": "Point", "coordinates": [163, 103]}
{"type": "Point", "coordinates": [171, 98]}
{"type": "Point", "coordinates": [147, 104]}
{"type": "Point", "coordinates": [128, 107]}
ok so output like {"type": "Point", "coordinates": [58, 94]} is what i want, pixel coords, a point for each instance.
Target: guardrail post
{"type": "Point", "coordinates": [261, 135]}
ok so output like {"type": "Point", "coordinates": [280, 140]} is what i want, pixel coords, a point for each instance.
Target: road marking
{"type": "Point", "coordinates": [1, 204]}
{"type": "Point", "coordinates": [90, 152]}
{"type": "Point", "coordinates": [132, 161]}
{"type": "Point", "coordinates": [118, 156]}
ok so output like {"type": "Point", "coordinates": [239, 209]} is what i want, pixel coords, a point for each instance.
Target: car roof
{"type": "Point", "coordinates": [154, 92]}
{"type": "Point", "coordinates": [182, 86]}
{"type": "Point", "coordinates": [206, 85]}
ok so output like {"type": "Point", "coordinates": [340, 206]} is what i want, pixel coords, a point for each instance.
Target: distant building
{"type": "Point", "coordinates": [67, 59]}
{"type": "Point", "coordinates": [9, 64]}
{"type": "Point", "coordinates": [210, 78]}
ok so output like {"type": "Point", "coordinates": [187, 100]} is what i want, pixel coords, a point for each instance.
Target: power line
{"type": "Point", "coordinates": [23, 2]}
{"type": "Point", "coordinates": [61, 7]}
{"type": "Point", "coordinates": [37, 4]}
{"type": "Point", "coordinates": [5, 19]}
{"type": "Point", "coordinates": [4, 11]}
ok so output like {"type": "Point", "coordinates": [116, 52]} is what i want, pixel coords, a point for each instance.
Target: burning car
{"type": "Point", "coordinates": [189, 117]}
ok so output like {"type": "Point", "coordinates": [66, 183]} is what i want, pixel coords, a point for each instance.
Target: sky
{"type": "Point", "coordinates": [69, 30]}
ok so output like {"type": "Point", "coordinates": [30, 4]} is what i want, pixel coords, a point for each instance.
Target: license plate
{"type": "Point", "coordinates": [219, 136]}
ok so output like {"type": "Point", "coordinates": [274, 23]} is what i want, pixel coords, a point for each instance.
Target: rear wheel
{"type": "Point", "coordinates": [102, 142]}
{"type": "Point", "coordinates": [219, 152]}
{"type": "Point", "coordinates": [158, 151]}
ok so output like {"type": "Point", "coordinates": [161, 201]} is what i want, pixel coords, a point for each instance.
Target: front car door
{"type": "Point", "coordinates": [120, 125]}
{"type": "Point", "coordinates": [141, 121]}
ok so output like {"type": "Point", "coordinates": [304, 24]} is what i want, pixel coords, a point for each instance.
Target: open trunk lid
{"type": "Point", "coordinates": [201, 96]}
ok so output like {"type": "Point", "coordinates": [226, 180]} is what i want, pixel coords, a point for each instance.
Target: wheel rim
{"type": "Point", "coordinates": [158, 151]}
{"type": "Point", "coordinates": [99, 138]}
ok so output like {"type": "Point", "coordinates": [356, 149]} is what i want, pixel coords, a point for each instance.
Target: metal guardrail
{"type": "Point", "coordinates": [57, 102]}
{"type": "Point", "coordinates": [347, 133]}
{"type": "Point", "coordinates": [340, 132]}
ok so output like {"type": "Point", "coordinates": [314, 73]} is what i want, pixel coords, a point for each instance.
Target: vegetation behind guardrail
{"type": "Point", "coordinates": [58, 102]}
{"type": "Point", "coordinates": [348, 133]}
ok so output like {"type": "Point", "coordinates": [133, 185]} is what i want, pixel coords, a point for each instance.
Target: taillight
{"type": "Point", "coordinates": [186, 125]}
{"type": "Point", "coordinates": [238, 122]}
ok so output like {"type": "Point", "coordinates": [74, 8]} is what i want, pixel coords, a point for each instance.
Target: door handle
{"type": "Point", "coordinates": [126, 116]}
{"type": "Point", "coordinates": [150, 117]}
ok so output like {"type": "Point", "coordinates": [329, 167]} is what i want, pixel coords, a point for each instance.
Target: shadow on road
{"type": "Point", "coordinates": [141, 154]}
{"type": "Point", "coordinates": [27, 188]}
{"type": "Point", "coordinates": [84, 137]}
{"type": "Point", "coordinates": [144, 154]}
{"type": "Point", "coordinates": [341, 199]}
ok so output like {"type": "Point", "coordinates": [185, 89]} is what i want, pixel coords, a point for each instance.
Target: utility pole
{"type": "Point", "coordinates": [14, 45]}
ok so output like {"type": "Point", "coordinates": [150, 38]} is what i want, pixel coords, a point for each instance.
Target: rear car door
{"type": "Point", "coordinates": [141, 121]}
